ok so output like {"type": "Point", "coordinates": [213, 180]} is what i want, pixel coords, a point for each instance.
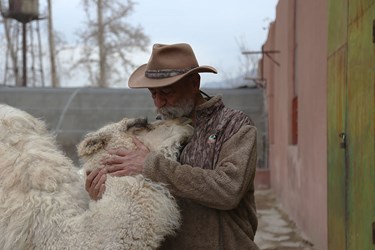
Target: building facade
{"type": "Point", "coordinates": [318, 73]}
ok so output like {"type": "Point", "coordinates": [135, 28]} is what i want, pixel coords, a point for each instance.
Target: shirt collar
{"type": "Point", "coordinates": [209, 107]}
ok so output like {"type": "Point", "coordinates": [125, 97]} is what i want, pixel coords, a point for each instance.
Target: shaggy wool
{"type": "Point", "coordinates": [43, 204]}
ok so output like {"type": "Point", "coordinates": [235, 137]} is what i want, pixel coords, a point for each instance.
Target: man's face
{"type": "Point", "coordinates": [176, 100]}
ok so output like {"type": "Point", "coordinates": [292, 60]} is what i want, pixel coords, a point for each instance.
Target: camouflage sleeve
{"type": "Point", "coordinates": [220, 188]}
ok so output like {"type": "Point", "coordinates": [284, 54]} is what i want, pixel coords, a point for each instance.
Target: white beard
{"type": "Point", "coordinates": [182, 109]}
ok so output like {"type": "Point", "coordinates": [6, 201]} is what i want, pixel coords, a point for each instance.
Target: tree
{"type": "Point", "coordinates": [249, 64]}
{"type": "Point", "coordinates": [247, 70]}
{"type": "Point", "coordinates": [109, 41]}
{"type": "Point", "coordinates": [52, 49]}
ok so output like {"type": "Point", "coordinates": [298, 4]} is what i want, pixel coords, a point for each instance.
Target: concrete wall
{"type": "Point", "coordinates": [298, 167]}
{"type": "Point", "coordinates": [72, 112]}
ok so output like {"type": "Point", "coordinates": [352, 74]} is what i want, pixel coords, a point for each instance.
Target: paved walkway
{"type": "Point", "coordinates": [275, 230]}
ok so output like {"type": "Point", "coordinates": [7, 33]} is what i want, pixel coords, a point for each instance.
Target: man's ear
{"type": "Point", "coordinates": [92, 143]}
{"type": "Point", "coordinates": [196, 78]}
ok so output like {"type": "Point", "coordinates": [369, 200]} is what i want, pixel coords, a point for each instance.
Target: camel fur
{"type": "Point", "coordinates": [43, 204]}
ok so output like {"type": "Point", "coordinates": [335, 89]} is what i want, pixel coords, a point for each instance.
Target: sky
{"type": "Point", "coordinates": [214, 28]}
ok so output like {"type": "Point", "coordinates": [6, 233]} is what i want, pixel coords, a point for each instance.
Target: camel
{"type": "Point", "coordinates": [43, 204]}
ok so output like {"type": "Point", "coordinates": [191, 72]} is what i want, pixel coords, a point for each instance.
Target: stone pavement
{"type": "Point", "coordinates": [275, 230]}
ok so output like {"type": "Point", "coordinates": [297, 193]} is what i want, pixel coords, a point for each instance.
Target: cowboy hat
{"type": "Point", "coordinates": [167, 65]}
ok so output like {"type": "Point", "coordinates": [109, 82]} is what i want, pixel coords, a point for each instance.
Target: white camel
{"type": "Point", "coordinates": [43, 204]}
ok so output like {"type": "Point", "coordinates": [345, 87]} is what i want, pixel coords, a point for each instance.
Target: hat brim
{"type": "Point", "coordinates": [139, 80]}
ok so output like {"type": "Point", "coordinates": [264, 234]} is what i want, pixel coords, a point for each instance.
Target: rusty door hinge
{"type": "Point", "coordinates": [373, 31]}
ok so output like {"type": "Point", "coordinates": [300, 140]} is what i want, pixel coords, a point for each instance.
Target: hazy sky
{"type": "Point", "coordinates": [213, 27]}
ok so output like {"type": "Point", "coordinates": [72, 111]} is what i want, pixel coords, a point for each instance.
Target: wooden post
{"type": "Point", "coordinates": [24, 56]}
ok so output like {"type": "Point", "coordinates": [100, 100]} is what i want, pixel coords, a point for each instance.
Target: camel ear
{"type": "Point", "coordinates": [92, 143]}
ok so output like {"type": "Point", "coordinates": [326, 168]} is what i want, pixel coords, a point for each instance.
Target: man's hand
{"type": "Point", "coordinates": [126, 162]}
{"type": "Point", "coordinates": [121, 163]}
{"type": "Point", "coordinates": [95, 183]}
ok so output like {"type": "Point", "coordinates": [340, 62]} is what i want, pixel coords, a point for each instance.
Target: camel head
{"type": "Point", "coordinates": [165, 136]}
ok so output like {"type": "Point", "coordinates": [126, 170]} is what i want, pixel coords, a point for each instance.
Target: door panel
{"type": "Point", "coordinates": [351, 109]}
{"type": "Point", "coordinates": [336, 110]}
{"type": "Point", "coordinates": [360, 127]}
{"type": "Point", "coordinates": [336, 156]}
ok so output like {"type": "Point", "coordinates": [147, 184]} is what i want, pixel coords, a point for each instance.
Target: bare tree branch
{"type": "Point", "coordinates": [109, 41]}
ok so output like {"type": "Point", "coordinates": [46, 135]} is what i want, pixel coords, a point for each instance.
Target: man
{"type": "Point", "coordinates": [213, 182]}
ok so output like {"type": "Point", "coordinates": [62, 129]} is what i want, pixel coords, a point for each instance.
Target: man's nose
{"type": "Point", "coordinates": [159, 100]}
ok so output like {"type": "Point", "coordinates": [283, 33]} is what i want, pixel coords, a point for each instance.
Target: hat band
{"type": "Point", "coordinates": [164, 73]}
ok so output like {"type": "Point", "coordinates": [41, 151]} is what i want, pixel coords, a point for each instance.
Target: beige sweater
{"type": "Point", "coordinates": [214, 181]}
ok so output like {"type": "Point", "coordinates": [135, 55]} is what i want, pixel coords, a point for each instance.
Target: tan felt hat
{"type": "Point", "coordinates": [167, 65]}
